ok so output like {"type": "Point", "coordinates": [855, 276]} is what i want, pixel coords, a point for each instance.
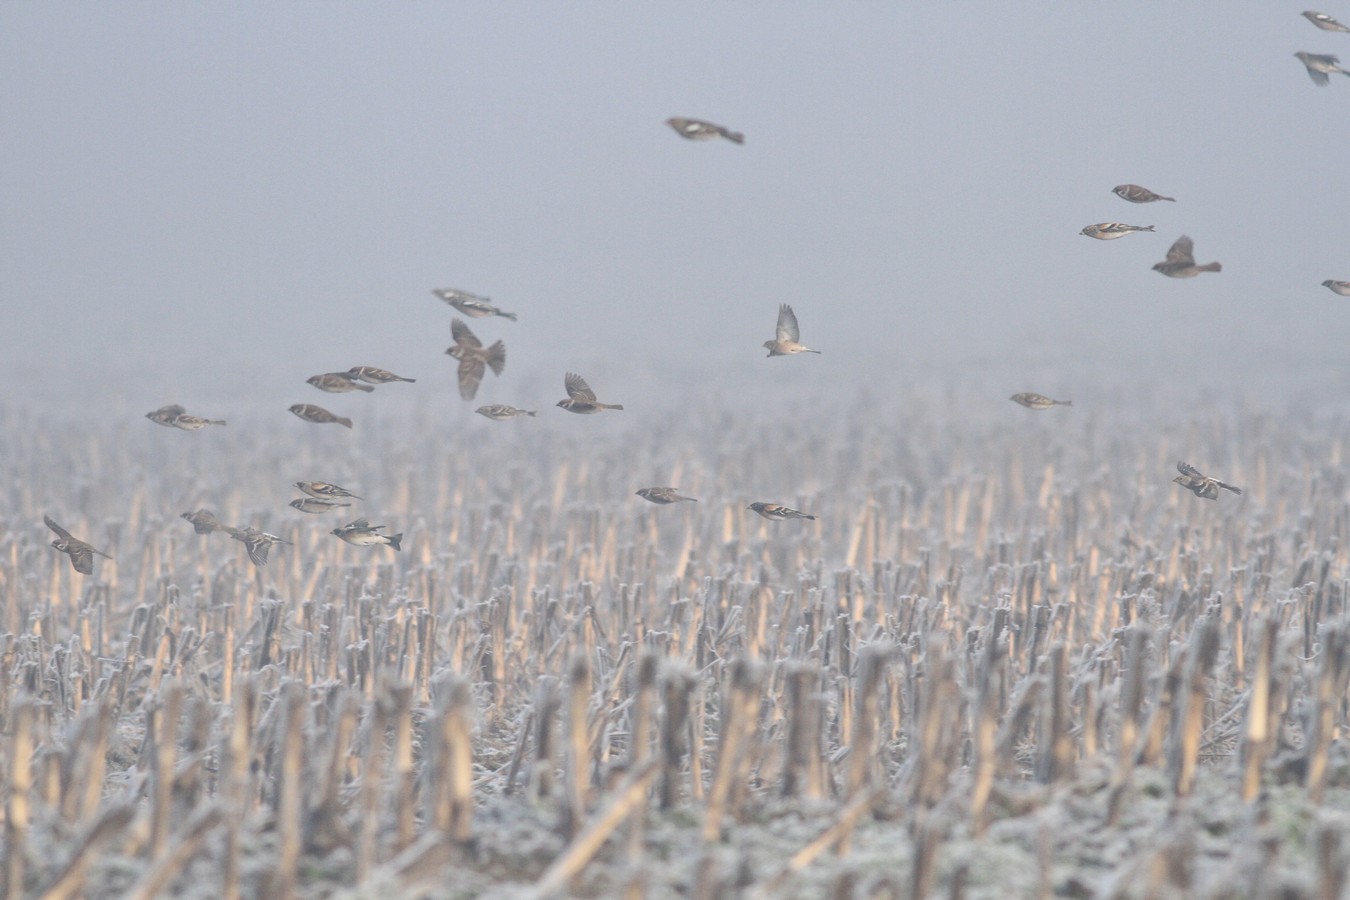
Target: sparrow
{"type": "Point", "coordinates": [1339, 287]}
{"type": "Point", "coordinates": [81, 554]}
{"type": "Point", "coordinates": [203, 521]}
{"type": "Point", "coordinates": [372, 375]}
{"type": "Point", "coordinates": [1136, 194]}
{"type": "Point", "coordinates": [1201, 485]}
{"type": "Point", "coordinates": [338, 383]}
{"type": "Point", "coordinates": [663, 495]}
{"type": "Point", "coordinates": [774, 511]}
{"type": "Point", "coordinates": [324, 491]}
{"type": "Point", "coordinates": [166, 414]}
{"type": "Point", "coordinates": [1109, 231]}
{"type": "Point", "coordinates": [1038, 401]}
{"type": "Point", "coordinates": [363, 534]}
{"type": "Point", "coordinates": [318, 415]}
{"type": "Point", "coordinates": [256, 542]}
{"type": "Point", "coordinates": [787, 335]}
{"type": "Point", "coordinates": [192, 423]}
{"type": "Point", "coordinates": [1319, 66]}
{"type": "Point", "coordinates": [316, 504]}
{"type": "Point", "coordinates": [473, 359]}
{"type": "Point", "coordinates": [472, 305]}
{"type": "Point", "coordinates": [1180, 262]}
{"type": "Point", "coordinates": [501, 412]}
{"type": "Point", "coordinates": [698, 130]}
{"type": "Point", "coordinates": [580, 397]}
{"type": "Point", "coordinates": [1323, 21]}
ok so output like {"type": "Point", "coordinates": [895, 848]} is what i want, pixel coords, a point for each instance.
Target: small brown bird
{"type": "Point", "coordinates": [1109, 231]}
{"type": "Point", "coordinates": [1201, 485]}
{"type": "Point", "coordinates": [787, 335]}
{"type": "Point", "coordinates": [257, 543]}
{"type": "Point", "coordinates": [203, 521]}
{"type": "Point", "coordinates": [325, 491]}
{"type": "Point", "coordinates": [580, 397]}
{"type": "Point", "coordinates": [363, 534]}
{"type": "Point", "coordinates": [1180, 262]}
{"type": "Point", "coordinates": [698, 130]}
{"type": "Point", "coordinates": [81, 554]}
{"type": "Point", "coordinates": [663, 495]}
{"type": "Point", "coordinates": [1338, 287]}
{"type": "Point", "coordinates": [1323, 21]}
{"type": "Point", "coordinates": [1038, 401]}
{"type": "Point", "coordinates": [316, 504]}
{"type": "Point", "coordinates": [337, 383]}
{"type": "Point", "coordinates": [473, 359]}
{"type": "Point", "coordinates": [472, 305]}
{"type": "Point", "coordinates": [501, 412]}
{"type": "Point", "coordinates": [372, 375]}
{"type": "Point", "coordinates": [1136, 194]}
{"type": "Point", "coordinates": [166, 414]}
{"type": "Point", "coordinates": [318, 415]}
{"type": "Point", "coordinates": [192, 423]}
{"type": "Point", "coordinates": [1320, 66]}
{"type": "Point", "coordinates": [774, 511]}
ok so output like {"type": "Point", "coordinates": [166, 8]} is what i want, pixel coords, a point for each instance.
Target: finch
{"type": "Point", "coordinates": [580, 397]}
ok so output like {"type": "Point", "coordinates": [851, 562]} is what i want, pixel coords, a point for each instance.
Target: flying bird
{"type": "Point", "coordinates": [316, 504]}
{"type": "Point", "coordinates": [501, 412]}
{"type": "Point", "coordinates": [192, 423]}
{"type": "Point", "coordinates": [472, 305]}
{"type": "Point", "coordinates": [363, 534]}
{"type": "Point", "coordinates": [318, 415]}
{"type": "Point", "coordinates": [1201, 485]}
{"type": "Point", "coordinates": [1324, 21]}
{"type": "Point", "coordinates": [1339, 287]}
{"type": "Point", "coordinates": [1109, 231]}
{"type": "Point", "coordinates": [663, 495]}
{"type": "Point", "coordinates": [1136, 194]}
{"type": "Point", "coordinates": [372, 375]}
{"type": "Point", "coordinates": [1180, 262]}
{"type": "Point", "coordinates": [699, 130]}
{"type": "Point", "coordinates": [203, 521]}
{"type": "Point", "coordinates": [166, 414]}
{"type": "Point", "coordinates": [338, 383]}
{"type": "Point", "coordinates": [1038, 401]}
{"type": "Point", "coordinates": [775, 511]}
{"type": "Point", "coordinates": [1320, 66]}
{"type": "Point", "coordinates": [473, 359]}
{"type": "Point", "coordinates": [785, 342]}
{"type": "Point", "coordinates": [325, 491]}
{"type": "Point", "coordinates": [81, 554]}
{"type": "Point", "coordinates": [580, 397]}
{"type": "Point", "coordinates": [257, 543]}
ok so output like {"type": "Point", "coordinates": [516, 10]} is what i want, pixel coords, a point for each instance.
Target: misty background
{"type": "Point", "coordinates": [207, 204]}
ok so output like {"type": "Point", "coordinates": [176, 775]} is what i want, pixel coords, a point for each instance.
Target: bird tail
{"type": "Point", "coordinates": [507, 315]}
{"type": "Point", "coordinates": [1173, 199]}
{"type": "Point", "coordinates": [533, 415]}
{"type": "Point", "coordinates": [215, 421]}
{"type": "Point", "coordinates": [1211, 267]}
{"type": "Point", "coordinates": [734, 136]}
{"type": "Point", "coordinates": [394, 540]}
{"type": "Point", "coordinates": [808, 516]}
{"type": "Point", "coordinates": [496, 357]}
{"type": "Point", "coordinates": [1063, 402]}
{"type": "Point", "coordinates": [409, 380]}
{"type": "Point", "coordinates": [1146, 228]}
{"type": "Point", "coordinates": [1229, 487]}
{"type": "Point", "coordinates": [343, 420]}
{"type": "Point", "coordinates": [610, 405]}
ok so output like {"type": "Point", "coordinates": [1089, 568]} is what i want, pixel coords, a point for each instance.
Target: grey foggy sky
{"type": "Point", "coordinates": [217, 201]}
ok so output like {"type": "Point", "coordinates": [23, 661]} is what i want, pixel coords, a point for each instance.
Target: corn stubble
{"type": "Point", "coordinates": [1066, 664]}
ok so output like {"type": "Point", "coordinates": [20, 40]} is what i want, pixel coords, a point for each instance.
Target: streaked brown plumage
{"type": "Point", "coordinates": [316, 505]}
{"type": "Point", "coordinates": [337, 383]}
{"type": "Point", "coordinates": [500, 411]}
{"type": "Point", "coordinates": [1180, 262]}
{"type": "Point", "coordinates": [257, 543]}
{"type": "Point", "coordinates": [1038, 401]}
{"type": "Point", "coordinates": [165, 414]}
{"type": "Point", "coordinates": [81, 554]}
{"type": "Point", "coordinates": [580, 397]}
{"type": "Point", "coordinates": [1137, 194]}
{"type": "Point", "coordinates": [192, 423]}
{"type": "Point", "coordinates": [472, 305]}
{"type": "Point", "coordinates": [373, 375]}
{"type": "Point", "coordinates": [1109, 231]}
{"type": "Point", "coordinates": [324, 491]}
{"type": "Point", "coordinates": [203, 521]}
{"type": "Point", "coordinates": [778, 512]}
{"type": "Point", "coordinates": [474, 360]}
{"type": "Point", "coordinates": [663, 495]}
{"type": "Point", "coordinates": [1201, 485]}
{"type": "Point", "coordinates": [318, 415]}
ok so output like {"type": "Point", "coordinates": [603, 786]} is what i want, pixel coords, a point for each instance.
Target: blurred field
{"type": "Point", "coordinates": [1011, 658]}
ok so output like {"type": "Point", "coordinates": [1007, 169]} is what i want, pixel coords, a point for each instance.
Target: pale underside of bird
{"type": "Point", "coordinates": [778, 512]}
{"type": "Point", "coordinates": [1323, 21]}
{"type": "Point", "coordinates": [663, 495]}
{"type": "Point", "coordinates": [81, 554]}
{"type": "Point", "coordinates": [257, 543]}
{"type": "Point", "coordinates": [501, 412]}
{"type": "Point", "coordinates": [472, 305]}
{"type": "Point", "coordinates": [1109, 231]}
{"type": "Point", "coordinates": [318, 415]}
{"type": "Point", "coordinates": [175, 416]}
{"type": "Point", "coordinates": [1138, 194]}
{"type": "Point", "coordinates": [363, 534]}
{"type": "Point", "coordinates": [1339, 287]}
{"type": "Point", "coordinates": [787, 335]}
{"type": "Point", "coordinates": [580, 397]}
{"type": "Point", "coordinates": [1320, 67]}
{"type": "Point", "coordinates": [338, 383]}
{"type": "Point", "coordinates": [325, 491]}
{"type": "Point", "coordinates": [1180, 262]}
{"type": "Point", "coordinates": [375, 375]}
{"type": "Point", "coordinates": [203, 521]}
{"type": "Point", "coordinates": [1037, 401]}
{"type": "Point", "coordinates": [699, 130]}
{"type": "Point", "coordinates": [316, 505]}
{"type": "Point", "coordinates": [474, 358]}
{"type": "Point", "coordinates": [1201, 485]}
{"type": "Point", "coordinates": [192, 423]}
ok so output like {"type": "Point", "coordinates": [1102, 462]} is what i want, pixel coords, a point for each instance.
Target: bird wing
{"type": "Point", "coordinates": [471, 370]}
{"type": "Point", "coordinates": [1188, 469]}
{"type": "Point", "coordinates": [81, 557]}
{"type": "Point", "coordinates": [463, 335]}
{"type": "Point", "coordinates": [787, 324]}
{"type": "Point", "coordinates": [1319, 78]}
{"type": "Point", "coordinates": [1183, 251]}
{"type": "Point", "coordinates": [60, 532]}
{"type": "Point", "coordinates": [577, 388]}
{"type": "Point", "coordinates": [258, 548]}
